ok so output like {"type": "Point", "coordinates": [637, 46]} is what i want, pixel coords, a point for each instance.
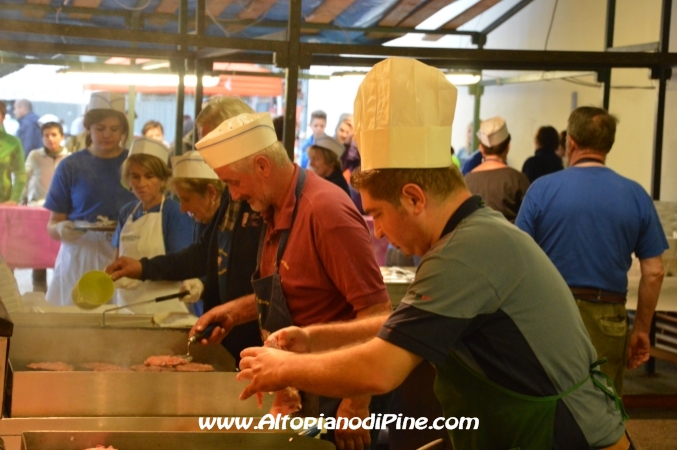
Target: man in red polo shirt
{"type": "Point", "coordinates": [316, 260]}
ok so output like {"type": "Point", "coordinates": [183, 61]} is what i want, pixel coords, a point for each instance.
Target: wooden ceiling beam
{"type": "Point", "coordinates": [469, 14]}
{"type": "Point", "coordinates": [328, 11]}
{"type": "Point", "coordinates": [216, 7]}
{"type": "Point", "coordinates": [409, 16]}
{"type": "Point", "coordinates": [83, 4]}
{"type": "Point", "coordinates": [256, 9]}
{"type": "Point", "coordinates": [35, 14]}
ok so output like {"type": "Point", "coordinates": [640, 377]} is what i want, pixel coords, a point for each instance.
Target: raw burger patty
{"type": "Point", "coordinates": [195, 367]}
{"type": "Point", "coordinates": [101, 447]}
{"type": "Point", "coordinates": [144, 368]}
{"type": "Point", "coordinates": [51, 366]}
{"type": "Point", "coordinates": [287, 401]}
{"type": "Point", "coordinates": [103, 367]}
{"type": "Point", "coordinates": [165, 361]}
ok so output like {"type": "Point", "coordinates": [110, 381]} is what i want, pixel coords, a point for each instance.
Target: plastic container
{"type": "Point", "coordinates": [93, 289]}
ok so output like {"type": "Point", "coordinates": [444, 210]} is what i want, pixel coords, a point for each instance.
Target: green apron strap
{"type": "Point", "coordinates": [611, 393]}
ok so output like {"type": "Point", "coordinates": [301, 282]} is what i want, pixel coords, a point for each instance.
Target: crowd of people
{"type": "Point", "coordinates": [519, 297]}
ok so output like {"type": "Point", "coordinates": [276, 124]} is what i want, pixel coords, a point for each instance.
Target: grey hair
{"type": "Point", "coordinates": [221, 108]}
{"type": "Point", "coordinates": [275, 153]}
{"type": "Point", "coordinates": [592, 128]}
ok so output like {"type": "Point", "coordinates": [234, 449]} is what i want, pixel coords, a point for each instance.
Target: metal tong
{"type": "Point", "coordinates": [197, 337]}
{"type": "Point", "coordinates": [145, 302]}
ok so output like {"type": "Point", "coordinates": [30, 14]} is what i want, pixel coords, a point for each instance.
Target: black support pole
{"type": "Point", "coordinates": [199, 63]}
{"type": "Point", "coordinates": [605, 75]}
{"type": "Point", "coordinates": [180, 89]}
{"type": "Point", "coordinates": [663, 74]}
{"type": "Point", "coordinates": [292, 76]}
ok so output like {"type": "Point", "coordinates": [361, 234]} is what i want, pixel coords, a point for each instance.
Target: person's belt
{"type": "Point", "coordinates": [598, 295]}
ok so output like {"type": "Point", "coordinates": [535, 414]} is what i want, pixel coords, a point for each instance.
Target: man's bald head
{"type": "Point", "coordinates": [22, 107]}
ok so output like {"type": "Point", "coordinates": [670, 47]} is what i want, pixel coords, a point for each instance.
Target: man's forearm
{"type": "Point", "coordinates": [334, 335]}
{"type": "Point", "coordinates": [243, 309]}
{"type": "Point", "coordinates": [649, 289]}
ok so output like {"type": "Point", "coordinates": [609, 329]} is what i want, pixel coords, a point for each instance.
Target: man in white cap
{"type": "Point", "coordinates": [487, 307]}
{"type": "Point", "coordinates": [316, 259]}
{"type": "Point", "coordinates": [500, 186]}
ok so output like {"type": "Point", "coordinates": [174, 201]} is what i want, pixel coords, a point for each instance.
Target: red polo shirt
{"type": "Point", "coordinates": [328, 269]}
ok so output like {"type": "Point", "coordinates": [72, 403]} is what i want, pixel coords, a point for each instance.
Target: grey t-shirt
{"type": "Point", "coordinates": [502, 189]}
{"type": "Point", "coordinates": [488, 293]}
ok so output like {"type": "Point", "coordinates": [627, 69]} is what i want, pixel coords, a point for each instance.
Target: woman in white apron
{"type": "Point", "coordinates": [151, 226]}
{"type": "Point", "coordinates": [86, 190]}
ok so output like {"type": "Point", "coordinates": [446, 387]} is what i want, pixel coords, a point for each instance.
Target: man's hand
{"type": "Point", "coordinates": [353, 439]}
{"type": "Point", "coordinates": [639, 347]}
{"type": "Point", "coordinates": [66, 231]}
{"type": "Point", "coordinates": [262, 366]}
{"type": "Point", "coordinates": [221, 315]}
{"type": "Point", "coordinates": [124, 267]}
{"type": "Point", "coordinates": [291, 339]}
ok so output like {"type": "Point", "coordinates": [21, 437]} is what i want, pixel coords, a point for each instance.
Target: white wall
{"type": "Point", "coordinates": [578, 26]}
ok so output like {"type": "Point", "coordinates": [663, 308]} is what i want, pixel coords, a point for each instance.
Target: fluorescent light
{"type": "Point", "coordinates": [138, 79]}
{"type": "Point", "coordinates": [151, 65]}
{"type": "Point", "coordinates": [463, 79]}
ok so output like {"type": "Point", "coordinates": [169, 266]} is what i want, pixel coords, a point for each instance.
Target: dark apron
{"type": "Point", "coordinates": [271, 304]}
{"type": "Point", "coordinates": [507, 419]}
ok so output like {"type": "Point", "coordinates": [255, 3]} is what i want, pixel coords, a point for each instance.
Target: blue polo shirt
{"type": "Point", "coordinates": [86, 186]}
{"type": "Point", "coordinates": [589, 221]}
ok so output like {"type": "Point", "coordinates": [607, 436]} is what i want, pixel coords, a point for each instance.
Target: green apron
{"type": "Point", "coordinates": [507, 420]}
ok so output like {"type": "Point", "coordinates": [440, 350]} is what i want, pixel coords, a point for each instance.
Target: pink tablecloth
{"type": "Point", "coordinates": [380, 245]}
{"type": "Point", "coordinates": [24, 242]}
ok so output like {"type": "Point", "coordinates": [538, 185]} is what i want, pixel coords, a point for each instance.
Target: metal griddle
{"type": "Point", "coordinates": [118, 394]}
{"type": "Point", "coordinates": [78, 440]}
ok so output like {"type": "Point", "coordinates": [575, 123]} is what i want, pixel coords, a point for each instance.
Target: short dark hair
{"type": "Point", "coordinates": [278, 124]}
{"type": "Point", "coordinates": [152, 124]}
{"type": "Point", "coordinates": [318, 115]}
{"type": "Point", "coordinates": [547, 138]}
{"type": "Point", "coordinates": [497, 149]}
{"type": "Point", "coordinates": [592, 128]}
{"type": "Point", "coordinates": [387, 184]}
{"type": "Point", "coordinates": [49, 125]}
{"type": "Point", "coordinates": [563, 139]}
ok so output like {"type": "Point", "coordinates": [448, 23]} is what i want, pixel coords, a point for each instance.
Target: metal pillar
{"type": "Point", "coordinates": [292, 76]}
{"type": "Point", "coordinates": [604, 76]}
{"type": "Point", "coordinates": [199, 63]}
{"type": "Point", "coordinates": [180, 89]}
{"type": "Point", "coordinates": [477, 91]}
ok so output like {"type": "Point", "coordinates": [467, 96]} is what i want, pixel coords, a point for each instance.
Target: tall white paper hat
{"type": "Point", "coordinates": [493, 131]}
{"type": "Point", "coordinates": [404, 110]}
{"type": "Point", "coordinates": [192, 165]}
{"type": "Point", "coordinates": [147, 146]}
{"type": "Point", "coordinates": [107, 100]}
{"type": "Point", "coordinates": [237, 138]}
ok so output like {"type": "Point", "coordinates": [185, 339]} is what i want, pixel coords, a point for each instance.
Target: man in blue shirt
{"type": "Point", "coordinates": [318, 122]}
{"type": "Point", "coordinates": [29, 129]}
{"type": "Point", "coordinates": [589, 220]}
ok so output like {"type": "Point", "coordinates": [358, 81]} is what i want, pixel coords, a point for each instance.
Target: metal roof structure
{"type": "Point", "coordinates": [293, 35]}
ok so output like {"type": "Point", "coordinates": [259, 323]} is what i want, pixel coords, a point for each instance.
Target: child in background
{"type": "Point", "coordinates": [318, 122]}
{"type": "Point", "coordinates": [42, 162]}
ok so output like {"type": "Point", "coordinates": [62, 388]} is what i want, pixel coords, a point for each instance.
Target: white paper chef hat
{"type": "Point", "coordinates": [107, 100]}
{"type": "Point", "coordinates": [47, 118]}
{"type": "Point", "coordinates": [192, 165]}
{"type": "Point", "coordinates": [237, 138]}
{"type": "Point", "coordinates": [493, 131]}
{"type": "Point", "coordinates": [146, 146]}
{"type": "Point", "coordinates": [330, 144]}
{"type": "Point", "coordinates": [404, 110]}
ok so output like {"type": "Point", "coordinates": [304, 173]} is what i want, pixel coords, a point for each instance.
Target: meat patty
{"type": "Point", "coordinates": [101, 447]}
{"type": "Point", "coordinates": [103, 367]}
{"type": "Point", "coordinates": [287, 401]}
{"type": "Point", "coordinates": [145, 368]}
{"type": "Point", "coordinates": [165, 361]}
{"type": "Point", "coordinates": [195, 367]}
{"type": "Point", "coordinates": [51, 366]}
